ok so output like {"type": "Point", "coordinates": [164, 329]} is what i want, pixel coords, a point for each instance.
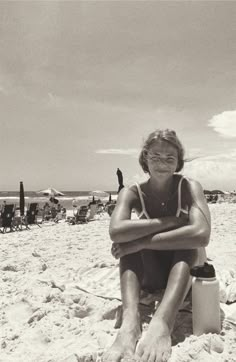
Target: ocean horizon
{"type": "Point", "coordinates": [82, 197]}
{"type": "Point", "coordinates": [37, 194]}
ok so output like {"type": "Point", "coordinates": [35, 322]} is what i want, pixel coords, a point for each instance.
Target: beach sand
{"type": "Point", "coordinates": [60, 294]}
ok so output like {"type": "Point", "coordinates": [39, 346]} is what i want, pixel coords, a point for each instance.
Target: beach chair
{"type": "Point", "coordinates": [100, 208]}
{"type": "Point", "coordinates": [32, 213]}
{"type": "Point", "coordinates": [82, 215]}
{"type": "Point", "coordinates": [70, 216]}
{"type": "Point", "coordinates": [39, 216]}
{"type": "Point", "coordinates": [17, 219]}
{"type": "Point", "coordinates": [110, 208]}
{"type": "Point", "coordinates": [59, 216]}
{"type": "Point", "coordinates": [7, 217]}
{"type": "Point", "coordinates": [93, 208]}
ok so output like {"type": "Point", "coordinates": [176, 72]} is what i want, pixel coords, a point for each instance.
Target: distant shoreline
{"type": "Point", "coordinates": [36, 194]}
{"type": "Point", "coordinates": [82, 198]}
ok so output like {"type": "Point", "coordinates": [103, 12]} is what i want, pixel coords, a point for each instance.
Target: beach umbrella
{"type": "Point", "coordinates": [207, 192]}
{"type": "Point", "coordinates": [120, 179]}
{"type": "Point", "coordinates": [50, 192]}
{"type": "Point", "coordinates": [22, 199]}
{"type": "Point", "coordinates": [218, 192]}
{"type": "Point", "coordinates": [99, 193]}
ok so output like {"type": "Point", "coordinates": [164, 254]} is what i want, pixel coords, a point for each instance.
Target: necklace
{"type": "Point", "coordinates": [161, 201]}
{"type": "Point", "coordinates": [164, 203]}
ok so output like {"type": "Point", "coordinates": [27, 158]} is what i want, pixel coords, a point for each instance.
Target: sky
{"type": "Point", "coordinates": [83, 83]}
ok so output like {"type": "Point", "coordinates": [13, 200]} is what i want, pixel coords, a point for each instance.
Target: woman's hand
{"type": "Point", "coordinates": [122, 249]}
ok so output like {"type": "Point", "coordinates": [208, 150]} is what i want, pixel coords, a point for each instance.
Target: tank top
{"type": "Point", "coordinates": [179, 207]}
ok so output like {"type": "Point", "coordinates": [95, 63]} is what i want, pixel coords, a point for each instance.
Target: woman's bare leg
{"type": "Point", "coordinates": [156, 344]}
{"type": "Point", "coordinates": [148, 269]}
{"type": "Point", "coordinates": [129, 333]}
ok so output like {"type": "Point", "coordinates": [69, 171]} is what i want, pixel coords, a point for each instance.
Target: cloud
{"type": "Point", "coordinates": [119, 151]}
{"type": "Point", "coordinates": [224, 123]}
{"type": "Point", "coordinates": [216, 171]}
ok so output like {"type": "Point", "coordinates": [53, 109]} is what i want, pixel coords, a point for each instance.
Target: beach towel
{"type": "Point", "coordinates": [103, 280]}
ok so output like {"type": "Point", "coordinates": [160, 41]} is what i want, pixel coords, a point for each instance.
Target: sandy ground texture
{"type": "Point", "coordinates": [59, 294]}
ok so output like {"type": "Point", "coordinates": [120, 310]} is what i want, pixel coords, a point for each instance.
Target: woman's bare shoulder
{"type": "Point", "coordinates": [127, 198]}
{"type": "Point", "coordinates": [193, 189]}
{"type": "Point", "coordinates": [127, 193]}
{"type": "Point", "coordinates": [134, 187]}
{"type": "Point", "coordinates": [130, 194]}
{"type": "Point", "coordinates": [195, 198]}
{"type": "Point", "coordinates": [193, 184]}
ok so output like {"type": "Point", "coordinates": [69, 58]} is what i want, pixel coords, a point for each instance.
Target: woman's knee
{"type": "Point", "coordinates": [188, 257]}
{"type": "Point", "coordinates": [184, 260]}
{"type": "Point", "coordinates": [133, 263]}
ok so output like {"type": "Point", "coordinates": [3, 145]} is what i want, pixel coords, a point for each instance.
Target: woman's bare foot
{"type": "Point", "coordinates": [126, 339]}
{"type": "Point", "coordinates": [155, 345]}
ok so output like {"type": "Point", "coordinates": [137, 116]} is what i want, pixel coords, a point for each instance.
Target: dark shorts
{"type": "Point", "coordinates": [151, 267]}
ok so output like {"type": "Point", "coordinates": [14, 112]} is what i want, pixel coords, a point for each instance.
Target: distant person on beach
{"type": "Point", "coordinates": [46, 211]}
{"type": "Point", "coordinates": [46, 206]}
{"type": "Point", "coordinates": [157, 250]}
{"type": "Point", "coordinates": [74, 203]}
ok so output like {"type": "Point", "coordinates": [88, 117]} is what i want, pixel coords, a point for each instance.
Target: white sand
{"type": "Point", "coordinates": [47, 316]}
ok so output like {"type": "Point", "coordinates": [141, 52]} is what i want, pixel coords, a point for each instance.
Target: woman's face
{"type": "Point", "coordinates": [162, 159]}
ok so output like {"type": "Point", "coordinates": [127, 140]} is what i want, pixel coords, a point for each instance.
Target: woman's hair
{"type": "Point", "coordinates": [167, 135]}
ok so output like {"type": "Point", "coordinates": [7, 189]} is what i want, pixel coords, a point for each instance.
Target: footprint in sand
{"type": "Point", "coordinates": [82, 309]}
{"type": "Point", "coordinates": [18, 313]}
{"type": "Point", "coordinates": [9, 267]}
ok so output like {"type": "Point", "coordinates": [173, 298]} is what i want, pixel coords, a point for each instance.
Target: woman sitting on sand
{"type": "Point", "coordinates": [158, 249]}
